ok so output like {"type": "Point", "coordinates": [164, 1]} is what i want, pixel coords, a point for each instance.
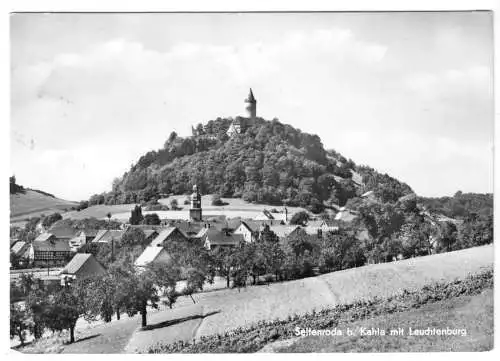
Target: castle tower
{"type": "Point", "coordinates": [195, 211]}
{"type": "Point", "coordinates": [252, 105]}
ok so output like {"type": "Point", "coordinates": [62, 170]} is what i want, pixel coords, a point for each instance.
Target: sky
{"type": "Point", "coordinates": [409, 94]}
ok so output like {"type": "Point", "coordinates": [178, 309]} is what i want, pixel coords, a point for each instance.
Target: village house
{"type": "Point", "coordinates": [150, 231]}
{"type": "Point", "coordinates": [284, 231]}
{"type": "Point", "coordinates": [80, 240]}
{"type": "Point", "coordinates": [319, 228]}
{"type": "Point", "coordinates": [346, 215]}
{"type": "Point", "coordinates": [108, 235]}
{"type": "Point", "coordinates": [63, 231]}
{"type": "Point", "coordinates": [169, 234]}
{"type": "Point", "coordinates": [82, 265]}
{"type": "Point", "coordinates": [20, 250]}
{"type": "Point", "coordinates": [42, 237]}
{"type": "Point", "coordinates": [249, 231]}
{"type": "Point", "coordinates": [51, 252]}
{"type": "Point", "coordinates": [153, 255]}
{"type": "Point", "coordinates": [213, 238]}
{"type": "Point", "coordinates": [189, 228]}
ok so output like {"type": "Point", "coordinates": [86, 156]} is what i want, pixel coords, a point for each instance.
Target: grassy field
{"type": "Point", "coordinates": [301, 296]}
{"type": "Point", "coordinates": [31, 204]}
{"type": "Point", "coordinates": [235, 208]}
{"type": "Point", "coordinates": [99, 211]}
{"type": "Point", "coordinates": [470, 320]}
{"type": "Point", "coordinates": [472, 313]}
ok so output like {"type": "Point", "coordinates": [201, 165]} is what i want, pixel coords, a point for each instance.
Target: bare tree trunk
{"type": "Point", "coordinates": [72, 334]}
{"type": "Point", "coordinates": [118, 313]}
{"type": "Point", "coordinates": [228, 279]}
{"type": "Point", "coordinates": [143, 314]}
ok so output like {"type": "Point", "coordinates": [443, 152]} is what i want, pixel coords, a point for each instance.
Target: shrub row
{"type": "Point", "coordinates": [252, 338]}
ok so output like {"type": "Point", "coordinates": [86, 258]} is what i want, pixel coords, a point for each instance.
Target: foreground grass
{"type": "Point", "coordinates": [472, 313]}
{"type": "Point", "coordinates": [258, 335]}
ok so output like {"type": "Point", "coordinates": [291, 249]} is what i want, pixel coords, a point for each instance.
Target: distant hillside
{"type": "Point", "coordinates": [25, 202]}
{"type": "Point", "coordinates": [461, 205]}
{"type": "Point", "coordinates": [269, 163]}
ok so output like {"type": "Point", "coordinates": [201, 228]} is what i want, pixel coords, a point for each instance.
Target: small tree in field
{"type": "Point", "coordinates": [65, 308]}
{"type": "Point", "coordinates": [144, 287]}
{"type": "Point", "coordinates": [174, 204]}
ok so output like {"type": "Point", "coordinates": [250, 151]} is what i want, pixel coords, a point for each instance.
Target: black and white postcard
{"type": "Point", "coordinates": [251, 182]}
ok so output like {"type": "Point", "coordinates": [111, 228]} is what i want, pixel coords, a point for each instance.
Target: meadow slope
{"type": "Point", "coordinates": [31, 204]}
{"type": "Point", "coordinates": [232, 308]}
{"type": "Point", "coordinates": [235, 208]}
{"type": "Point", "coordinates": [240, 308]}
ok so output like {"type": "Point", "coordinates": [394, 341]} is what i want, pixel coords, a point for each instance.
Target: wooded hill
{"type": "Point", "coordinates": [270, 163]}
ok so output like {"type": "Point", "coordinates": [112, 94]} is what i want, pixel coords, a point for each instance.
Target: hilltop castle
{"type": "Point", "coordinates": [239, 124]}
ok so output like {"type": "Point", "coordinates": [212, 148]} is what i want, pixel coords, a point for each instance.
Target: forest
{"type": "Point", "coordinates": [270, 163]}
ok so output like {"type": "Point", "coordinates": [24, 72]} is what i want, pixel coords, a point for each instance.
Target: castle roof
{"type": "Point", "coordinates": [251, 98]}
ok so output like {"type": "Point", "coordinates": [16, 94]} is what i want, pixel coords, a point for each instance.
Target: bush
{"type": "Point", "coordinates": [300, 218]}
{"type": "Point", "coordinates": [174, 204]}
{"type": "Point", "coordinates": [152, 219]}
{"type": "Point", "coordinates": [217, 201]}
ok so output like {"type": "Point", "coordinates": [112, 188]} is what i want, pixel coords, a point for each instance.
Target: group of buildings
{"type": "Point", "coordinates": [59, 245]}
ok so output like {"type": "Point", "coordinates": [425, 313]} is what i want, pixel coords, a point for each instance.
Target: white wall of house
{"type": "Point", "coordinates": [247, 234]}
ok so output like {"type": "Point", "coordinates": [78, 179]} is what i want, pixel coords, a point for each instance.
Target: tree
{"type": "Point", "coordinates": [37, 303]}
{"type": "Point", "coordinates": [172, 137]}
{"type": "Point", "coordinates": [447, 237]}
{"type": "Point", "coordinates": [15, 260]}
{"type": "Point", "coordinates": [300, 218]}
{"type": "Point", "coordinates": [224, 260]}
{"type": "Point", "coordinates": [15, 188]}
{"type": "Point", "coordinates": [65, 308]}
{"type": "Point", "coordinates": [136, 215]}
{"type": "Point", "coordinates": [19, 323]}
{"type": "Point", "coordinates": [82, 205]}
{"type": "Point", "coordinates": [475, 231]}
{"type": "Point", "coordinates": [341, 250]}
{"type": "Point", "coordinates": [140, 288]}
{"type": "Point", "coordinates": [195, 278]}
{"type": "Point", "coordinates": [217, 201]}
{"type": "Point", "coordinates": [99, 295]}
{"type": "Point", "coordinates": [151, 219]}
{"type": "Point", "coordinates": [51, 219]}
{"type": "Point", "coordinates": [174, 204]}
{"type": "Point", "coordinates": [133, 237]}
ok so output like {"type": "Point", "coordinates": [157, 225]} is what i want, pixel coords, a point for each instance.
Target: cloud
{"type": "Point", "coordinates": [94, 111]}
{"type": "Point", "coordinates": [474, 80]}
